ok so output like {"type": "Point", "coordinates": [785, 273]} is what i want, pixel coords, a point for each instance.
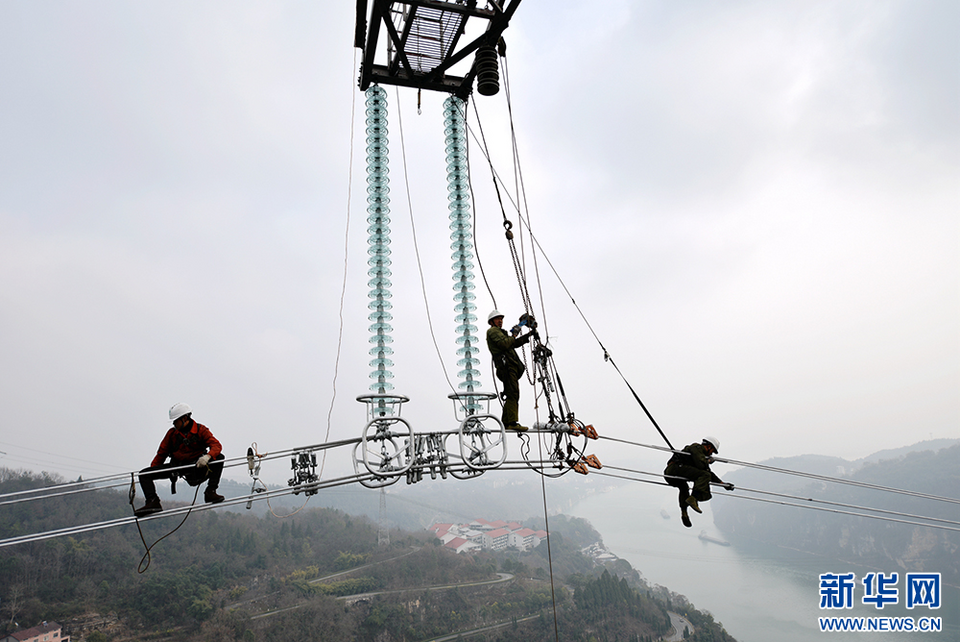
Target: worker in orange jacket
{"type": "Point", "coordinates": [186, 444]}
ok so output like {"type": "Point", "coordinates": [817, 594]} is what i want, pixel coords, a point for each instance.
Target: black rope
{"type": "Point", "coordinates": [507, 224]}
{"type": "Point", "coordinates": [473, 201]}
{"type": "Point", "coordinates": [522, 193]}
{"type": "Point", "coordinates": [522, 279]}
{"type": "Point", "coordinates": [546, 525]}
{"type": "Point", "coordinates": [607, 357]}
{"type": "Point", "coordinates": [146, 555]}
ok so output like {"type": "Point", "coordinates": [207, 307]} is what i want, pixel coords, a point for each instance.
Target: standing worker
{"type": "Point", "coordinates": [509, 367]}
{"type": "Point", "coordinates": [693, 464]}
{"type": "Point", "coordinates": [187, 443]}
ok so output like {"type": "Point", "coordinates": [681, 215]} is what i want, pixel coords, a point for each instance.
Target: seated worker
{"type": "Point", "coordinates": [187, 443]}
{"type": "Point", "coordinates": [508, 366]}
{"type": "Point", "coordinates": [693, 466]}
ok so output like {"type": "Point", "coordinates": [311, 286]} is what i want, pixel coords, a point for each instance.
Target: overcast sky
{"type": "Point", "coordinates": [756, 205]}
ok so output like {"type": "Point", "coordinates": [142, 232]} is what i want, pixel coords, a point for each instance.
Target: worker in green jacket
{"type": "Point", "coordinates": [509, 367]}
{"type": "Point", "coordinates": [693, 464]}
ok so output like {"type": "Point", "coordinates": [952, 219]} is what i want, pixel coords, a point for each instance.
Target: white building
{"type": "Point", "coordinates": [45, 632]}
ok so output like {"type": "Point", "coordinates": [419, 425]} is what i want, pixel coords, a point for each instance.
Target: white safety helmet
{"type": "Point", "coordinates": [179, 410]}
{"type": "Point", "coordinates": [493, 315]}
{"type": "Point", "coordinates": [713, 441]}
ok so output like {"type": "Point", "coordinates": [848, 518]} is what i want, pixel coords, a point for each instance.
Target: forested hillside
{"type": "Point", "coordinates": [862, 540]}
{"type": "Point", "coordinates": [224, 576]}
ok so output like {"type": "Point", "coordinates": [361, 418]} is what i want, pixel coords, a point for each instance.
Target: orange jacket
{"type": "Point", "coordinates": [187, 446]}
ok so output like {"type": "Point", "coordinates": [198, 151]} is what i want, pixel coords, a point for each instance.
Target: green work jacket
{"type": "Point", "coordinates": [502, 348]}
{"type": "Point", "coordinates": [697, 457]}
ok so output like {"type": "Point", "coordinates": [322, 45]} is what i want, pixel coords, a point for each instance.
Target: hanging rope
{"type": "Point", "coordinates": [497, 181]}
{"type": "Point", "coordinates": [507, 224]}
{"type": "Point", "coordinates": [546, 526]}
{"type": "Point", "coordinates": [346, 255]}
{"type": "Point", "coordinates": [521, 189]}
{"type": "Point", "coordinates": [146, 555]}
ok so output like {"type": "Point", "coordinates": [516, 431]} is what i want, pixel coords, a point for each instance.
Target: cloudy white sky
{"type": "Point", "coordinates": [755, 204]}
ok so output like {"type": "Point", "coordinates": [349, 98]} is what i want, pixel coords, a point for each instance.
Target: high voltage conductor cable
{"type": "Point", "coordinates": [124, 521]}
{"type": "Point", "coordinates": [854, 506]}
{"type": "Point", "coordinates": [522, 465]}
{"type": "Point", "coordinates": [66, 493]}
{"type": "Point", "coordinates": [91, 484]}
{"type": "Point", "coordinates": [838, 480]}
{"type": "Point", "coordinates": [84, 487]}
{"type": "Point", "coordinates": [807, 505]}
{"type": "Point", "coordinates": [96, 483]}
{"type": "Point", "coordinates": [513, 465]}
{"type": "Point", "coordinates": [87, 482]}
{"type": "Point", "coordinates": [801, 498]}
{"type": "Point", "coordinates": [850, 482]}
{"type": "Point", "coordinates": [227, 463]}
{"type": "Point", "coordinates": [173, 512]}
{"type": "Point", "coordinates": [844, 512]}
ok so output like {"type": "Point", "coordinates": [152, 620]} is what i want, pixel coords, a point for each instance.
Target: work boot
{"type": "Point", "coordinates": [692, 501]}
{"type": "Point", "coordinates": [210, 496]}
{"type": "Point", "coordinates": [151, 506]}
{"type": "Point", "coordinates": [517, 428]}
{"type": "Point", "coordinates": [685, 519]}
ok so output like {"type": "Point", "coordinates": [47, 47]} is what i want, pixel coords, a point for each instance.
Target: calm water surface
{"type": "Point", "coordinates": [764, 596]}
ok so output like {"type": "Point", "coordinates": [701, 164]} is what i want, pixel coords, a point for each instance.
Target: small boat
{"type": "Point", "coordinates": [708, 538]}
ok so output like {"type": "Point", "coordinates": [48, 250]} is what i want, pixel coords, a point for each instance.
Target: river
{"type": "Point", "coordinates": [760, 596]}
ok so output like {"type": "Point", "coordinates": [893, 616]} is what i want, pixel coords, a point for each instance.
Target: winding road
{"type": "Point", "coordinates": [679, 624]}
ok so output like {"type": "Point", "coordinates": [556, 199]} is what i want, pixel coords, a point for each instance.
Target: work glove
{"type": "Point", "coordinates": [203, 461]}
{"type": "Point", "coordinates": [728, 486]}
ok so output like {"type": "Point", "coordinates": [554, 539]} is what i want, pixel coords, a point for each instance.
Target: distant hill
{"type": "Point", "coordinates": [933, 445]}
{"type": "Point", "coordinates": [822, 465]}
{"type": "Point", "coordinates": [224, 576]}
{"type": "Point", "coordinates": [931, 467]}
{"type": "Point", "coordinates": [495, 495]}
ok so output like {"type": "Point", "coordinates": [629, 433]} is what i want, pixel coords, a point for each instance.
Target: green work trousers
{"type": "Point", "coordinates": [511, 395]}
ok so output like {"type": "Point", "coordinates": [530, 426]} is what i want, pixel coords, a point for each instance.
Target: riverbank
{"type": "Point", "coordinates": [766, 594]}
